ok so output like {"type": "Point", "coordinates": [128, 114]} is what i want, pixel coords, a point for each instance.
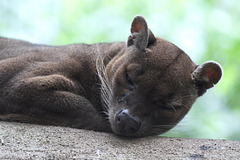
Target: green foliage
{"type": "Point", "coordinates": [205, 29]}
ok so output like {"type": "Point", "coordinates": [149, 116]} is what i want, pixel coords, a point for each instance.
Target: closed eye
{"type": "Point", "coordinates": [131, 87]}
{"type": "Point", "coordinates": [130, 82]}
{"type": "Point", "coordinates": [170, 107]}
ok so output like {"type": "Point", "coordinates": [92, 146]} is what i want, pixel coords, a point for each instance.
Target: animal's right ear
{"type": "Point", "coordinates": [141, 36]}
{"type": "Point", "coordinates": [206, 75]}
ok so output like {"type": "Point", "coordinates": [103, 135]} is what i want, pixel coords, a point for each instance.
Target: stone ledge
{"type": "Point", "coordinates": [26, 141]}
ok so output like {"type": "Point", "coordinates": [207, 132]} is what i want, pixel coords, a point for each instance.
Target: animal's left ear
{"type": "Point", "coordinates": [141, 37]}
{"type": "Point", "coordinates": [206, 75]}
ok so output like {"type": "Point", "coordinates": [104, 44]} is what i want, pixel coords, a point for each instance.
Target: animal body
{"type": "Point", "coordinates": [139, 88]}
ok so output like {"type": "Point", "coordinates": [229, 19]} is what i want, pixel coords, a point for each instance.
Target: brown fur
{"type": "Point", "coordinates": [144, 87]}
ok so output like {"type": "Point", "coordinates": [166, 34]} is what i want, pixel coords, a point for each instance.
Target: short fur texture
{"type": "Point", "coordinates": [139, 88]}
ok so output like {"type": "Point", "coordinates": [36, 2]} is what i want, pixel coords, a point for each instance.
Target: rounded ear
{"type": "Point", "coordinates": [151, 38]}
{"type": "Point", "coordinates": [206, 75]}
{"type": "Point", "coordinates": [141, 36]}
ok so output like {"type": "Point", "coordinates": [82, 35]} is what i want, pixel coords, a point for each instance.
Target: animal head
{"type": "Point", "coordinates": [153, 84]}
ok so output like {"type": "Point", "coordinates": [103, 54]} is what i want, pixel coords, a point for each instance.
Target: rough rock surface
{"type": "Point", "coordinates": [26, 141]}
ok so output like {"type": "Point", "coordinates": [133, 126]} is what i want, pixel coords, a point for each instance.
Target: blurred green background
{"type": "Point", "coordinates": [204, 29]}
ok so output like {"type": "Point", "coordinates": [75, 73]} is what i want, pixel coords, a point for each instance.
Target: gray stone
{"type": "Point", "coordinates": [27, 141]}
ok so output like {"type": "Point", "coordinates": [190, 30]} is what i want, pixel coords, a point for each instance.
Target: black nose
{"type": "Point", "coordinates": [126, 123]}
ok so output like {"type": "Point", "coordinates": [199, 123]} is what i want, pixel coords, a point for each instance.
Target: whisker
{"type": "Point", "coordinates": [187, 96]}
{"type": "Point", "coordinates": [160, 125]}
{"type": "Point", "coordinates": [160, 129]}
{"type": "Point", "coordinates": [106, 91]}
